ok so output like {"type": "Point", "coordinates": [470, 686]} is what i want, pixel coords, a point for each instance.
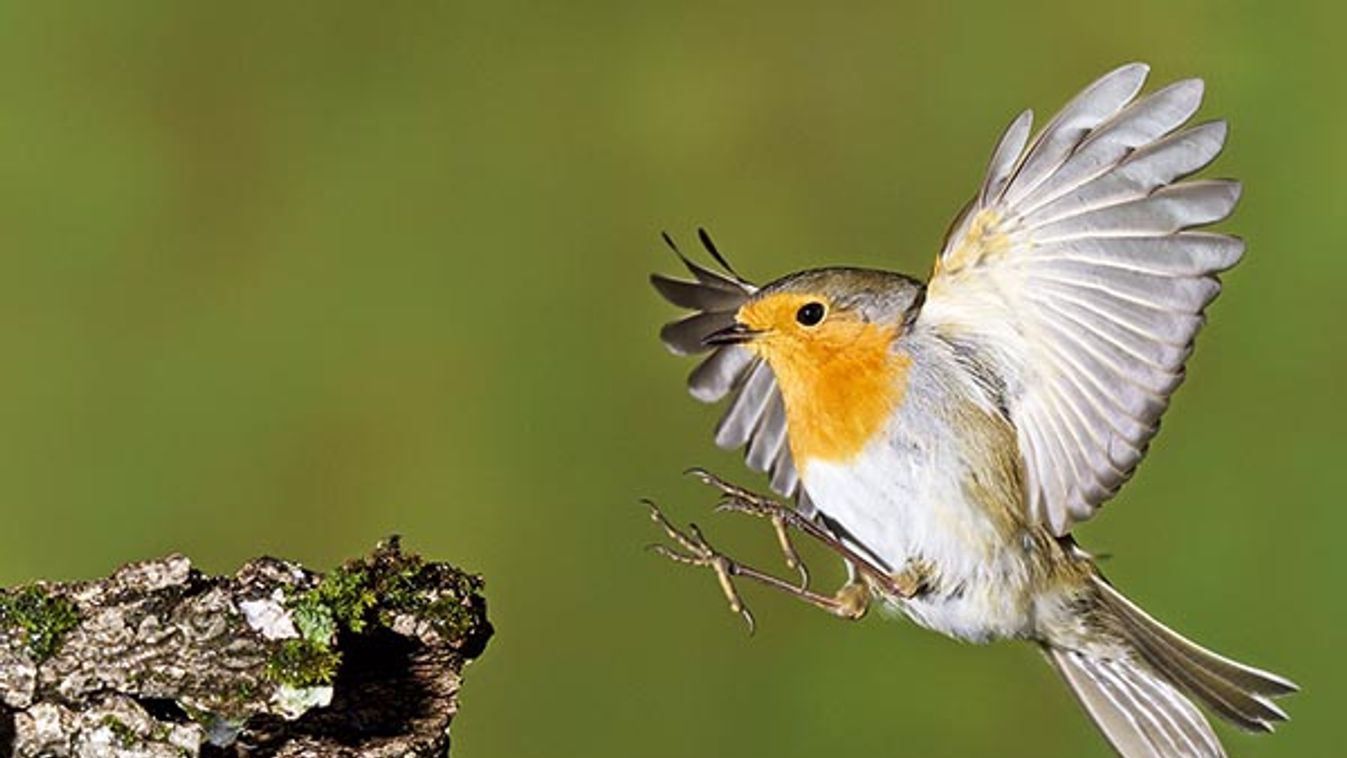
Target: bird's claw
{"type": "Point", "coordinates": [691, 547]}
{"type": "Point", "coordinates": [698, 552]}
{"type": "Point", "coordinates": [736, 499]}
{"type": "Point", "coordinates": [781, 518]}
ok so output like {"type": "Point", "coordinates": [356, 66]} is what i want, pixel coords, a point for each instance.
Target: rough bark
{"type": "Point", "coordinates": [159, 659]}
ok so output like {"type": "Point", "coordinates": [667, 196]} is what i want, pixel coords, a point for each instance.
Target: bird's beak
{"type": "Point", "coordinates": [734, 334]}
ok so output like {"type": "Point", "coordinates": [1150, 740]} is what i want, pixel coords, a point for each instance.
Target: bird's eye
{"type": "Point", "coordinates": [810, 314]}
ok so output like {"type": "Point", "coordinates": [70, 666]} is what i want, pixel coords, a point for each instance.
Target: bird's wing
{"type": "Point", "coordinates": [756, 416]}
{"type": "Point", "coordinates": [1075, 274]}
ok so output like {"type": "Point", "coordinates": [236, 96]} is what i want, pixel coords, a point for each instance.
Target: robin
{"type": "Point", "coordinates": [945, 437]}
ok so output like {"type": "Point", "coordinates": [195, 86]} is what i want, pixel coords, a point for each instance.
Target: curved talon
{"type": "Point", "coordinates": [655, 514]}
{"type": "Point", "coordinates": [804, 574]}
{"type": "Point", "coordinates": [748, 619]}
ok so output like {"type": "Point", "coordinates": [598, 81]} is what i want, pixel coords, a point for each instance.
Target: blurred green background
{"type": "Point", "coordinates": [287, 278]}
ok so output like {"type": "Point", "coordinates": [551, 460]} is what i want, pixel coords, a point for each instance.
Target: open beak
{"type": "Point", "coordinates": [735, 334]}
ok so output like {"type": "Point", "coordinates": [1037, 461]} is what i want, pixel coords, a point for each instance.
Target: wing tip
{"type": "Point", "coordinates": [1190, 91]}
{"type": "Point", "coordinates": [670, 343]}
{"type": "Point", "coordinates": [1131, 75]}
{"type": "Point", "coordinates": [1235, 190]}
{"type": "Point", "coordinates": [1219, 125]}
{"type": "Point", "coordinates": [1139, 70]}
{"type": "Point", "coordinates": [666, 286]}
{"type": "Point", "coordinates": [1008, 152]}
{"type": "Point", "coordinates": [1196, 83]}
{"type": "Point", "coordinates": [1233, 255]}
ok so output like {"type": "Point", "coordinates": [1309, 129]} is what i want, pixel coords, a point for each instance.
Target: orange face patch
{"type": "Point", "coordinates": [840, 379]}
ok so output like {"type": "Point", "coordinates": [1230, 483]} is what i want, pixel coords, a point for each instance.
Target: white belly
{"type": "Point", "coordinates": [907, 504]}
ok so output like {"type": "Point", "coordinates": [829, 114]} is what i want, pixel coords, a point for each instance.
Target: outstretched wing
{"type": "Point", "coordinates": [1074, 274]}
{"type": "Point", "coordinates": [756, 416]}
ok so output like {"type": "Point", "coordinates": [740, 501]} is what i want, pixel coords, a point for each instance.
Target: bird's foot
{"type": "Point", "coordinates": [904, 585]}
{"type": "Point", "coordinates": [850, 602]}
{"type": "Point", "coordinates": [737, 499]}
{"type": "Point", "coordinates": [696, 551]}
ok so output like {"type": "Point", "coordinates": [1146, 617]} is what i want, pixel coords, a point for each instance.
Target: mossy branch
{"type": "Point", "coordinates": [159, 659]}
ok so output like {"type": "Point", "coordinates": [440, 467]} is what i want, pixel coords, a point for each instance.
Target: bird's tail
{"type": "Point", "coordinates": [1139, 699]}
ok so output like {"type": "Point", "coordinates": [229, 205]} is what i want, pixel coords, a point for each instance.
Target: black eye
{"type": "Point", "coordinates": [810, 314]}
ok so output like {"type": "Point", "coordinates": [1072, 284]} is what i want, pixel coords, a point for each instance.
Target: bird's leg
{"type": "Point", "coordinates": [776, 516]}
{"type": "Point", "coordinates": [905, 584]}
{"type": "Point", "coordinates": [849, 603]}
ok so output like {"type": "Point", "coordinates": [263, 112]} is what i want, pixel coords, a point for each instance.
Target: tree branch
{"type": "Point", "coordinates": [159, 659]}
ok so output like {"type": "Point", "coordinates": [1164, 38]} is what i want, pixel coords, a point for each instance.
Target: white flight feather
{"type": "Point", "coordinates": [1075, 274]}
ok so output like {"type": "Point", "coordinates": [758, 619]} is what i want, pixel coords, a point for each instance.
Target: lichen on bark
{"type": "Point", "coordinates": [159, 659]}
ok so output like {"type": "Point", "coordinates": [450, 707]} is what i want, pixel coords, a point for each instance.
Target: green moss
{"type": "Point", "coordinates": [366, 593]}
{"type": "Point", "coordinates": [371, 590]}
{"type": "Point", "coordinates": [125, 735]}
{"type": "Point", "coordinates": [450, 617]}
{"type": "Point", "coordinates": [42, 618]}
{"type": "Point", "coordinates": [313, 618]}
{"type": "Point", "coordinates": [302, 663]}
{"type": "Point", "coordinates": [349, 593]}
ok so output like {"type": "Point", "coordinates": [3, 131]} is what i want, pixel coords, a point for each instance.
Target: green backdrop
{"type": "Point", "coordinates": [286, 278]}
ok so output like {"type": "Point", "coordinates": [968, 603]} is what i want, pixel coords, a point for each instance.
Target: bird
{"type": "Point", "coordinates": [946, 436]}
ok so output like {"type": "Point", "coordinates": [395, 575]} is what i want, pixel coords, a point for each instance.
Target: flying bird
{"type": "Point", "coordinates": [946, 436]}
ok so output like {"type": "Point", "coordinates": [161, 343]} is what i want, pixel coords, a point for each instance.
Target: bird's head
{"type": "Point", "coordinates": [830, 337]}
{"type": "Point", "coordinates": [810, 317]}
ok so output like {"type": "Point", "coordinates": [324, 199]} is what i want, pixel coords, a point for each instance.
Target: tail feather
{"type": "Point", "coordinates": [1135, 688]}
{"type": "Point", "coordinates": [1177, 710]}
{"type": "Point", "coordinates": [1238, 693]}
{"type": "Point", "coordinates": [1140, 713]}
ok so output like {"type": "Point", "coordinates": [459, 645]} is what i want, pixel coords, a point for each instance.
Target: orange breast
{"type": "Point", "coordinates": [840, 389]}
